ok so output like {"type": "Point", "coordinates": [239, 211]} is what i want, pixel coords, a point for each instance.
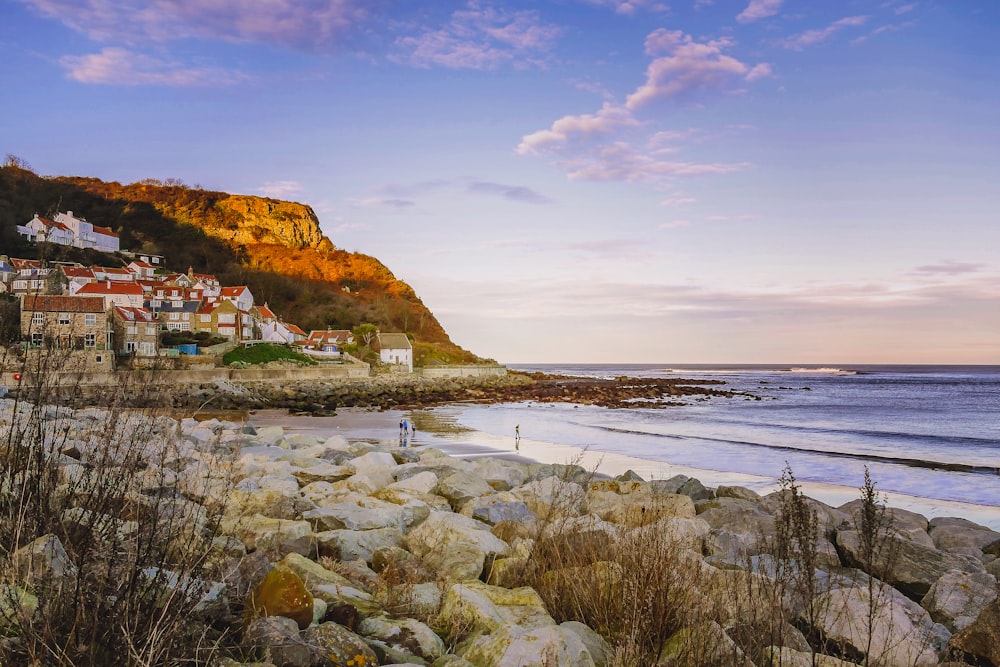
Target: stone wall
{"type": "Point", "coordinates": [434, 372]}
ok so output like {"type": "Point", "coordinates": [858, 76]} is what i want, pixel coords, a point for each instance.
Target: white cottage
{"type": "Point", "coordinates": [395, 349]}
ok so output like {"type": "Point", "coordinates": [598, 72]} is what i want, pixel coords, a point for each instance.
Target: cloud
{"type": "Point", "coordinates": [759, 9]}
{"type": "Point", "coordinates": [620, 161]}
{"type": "Point", "coordinates": [518, 193]}
{"type": "Point", "coordinates": [297, 24]}
{"type": "Point", "coordinates": [482, 38]}
{"type": "Point", "coordinates": [629, 7]}
{"type": "Point", "coordinates": [577, 128]}
{"type": "Point", "coordinates": [678, 201]}
{"type": "Point", "coordinates": [685, 66]}
{"type": "Point", "coordinates": [610, 249]}
{"type": "Point", "coordinates": [950, 268]}
{"type": "Point", "coordinates": [280, 189]}
{"type": "Point", "coordinates": [811, 37]}
{"type": "Point", "coordinates": [391, 203]}
{"type": "Point", "coordinates": [117, 66]}
{"type": "Point", "coordinates": [890, 27]}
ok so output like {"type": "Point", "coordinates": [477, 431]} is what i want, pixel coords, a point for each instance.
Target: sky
{"type": "Point", "coordinates": [691, 181]}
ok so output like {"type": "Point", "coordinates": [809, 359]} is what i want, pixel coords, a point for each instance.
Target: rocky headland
{"type": "Point", "coordinates": [314, 550]}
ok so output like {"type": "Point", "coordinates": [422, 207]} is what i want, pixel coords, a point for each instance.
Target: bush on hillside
{"type": "Point", "coordinates": [264, 353]}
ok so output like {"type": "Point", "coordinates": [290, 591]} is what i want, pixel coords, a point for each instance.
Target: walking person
{"type": "Point", "coordinates": [517, 436]}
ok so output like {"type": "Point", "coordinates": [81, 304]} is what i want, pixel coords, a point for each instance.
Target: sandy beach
{"type": "Point", "coordinates": [383, 427]}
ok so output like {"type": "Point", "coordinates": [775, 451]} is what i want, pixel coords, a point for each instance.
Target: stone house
{"type": "Point", "coordinates": [222, 317]}
{"type": "Point", "coordinates": [114, 293]}
{"type": "Point", "coordinates": [135, 331]}
{"type": "Point", "coordinates": [395, 349]}
{"type": "Point", "coordinates": [175, 315]}
{"type": "Point", "coordinates": [77, 324]}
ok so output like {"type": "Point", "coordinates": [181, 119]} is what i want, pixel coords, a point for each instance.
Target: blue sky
{"type": "Point", "coordinates": [575, 180]}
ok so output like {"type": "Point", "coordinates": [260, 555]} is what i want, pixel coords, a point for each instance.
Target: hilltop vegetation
{"type": "Point", "coordinates": [276, 248]}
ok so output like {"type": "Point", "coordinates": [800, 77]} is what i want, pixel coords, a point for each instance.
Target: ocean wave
{"type": "Point", "coordinates": [860, 456]}
{"type": "Point", "coordinates": [824, 370]}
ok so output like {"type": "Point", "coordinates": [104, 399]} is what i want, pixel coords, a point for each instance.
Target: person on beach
{"type": "Point", "coordinates": [517, 436]}
{"type": "Point", "coordinates": [401, 422]}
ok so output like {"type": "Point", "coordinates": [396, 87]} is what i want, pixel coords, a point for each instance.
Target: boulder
{"type": "Point", "coordinates": [951, 533]}
{"type": "Point", "coordinates": [957, 598]}
{"type": "Point", "coordinates": [266, 533]}
{"type": "Point", "coordinates": [373, 461]}
{"type": "Point", "coordinates": [280, 593]}
{"type": "Point", "coordinates": [406, 634]}
{"type": "Point", "coordinates": [460, 487]}
{"type": "Point", "coordinates": [552, 497]}
{"type": "Point", "coordinates": [496, 507]}
{"type": "Point", "coordinates": [44, 563]}
{"type": "Point", "coordinates": [17, 606]}
{"type": "Point", "coordinates": [695, 490]}
{"type": "Point", "coordinates": [443, 529]}
{"type": "Point", "coordinates": [704, 644]}
{"type": "Point", "coordinates": [914, 567]}
{"type": "Point", "coordinates": [358, 513]}
{"type": "Point", "coordinates": [981, 638]}
{"type": "Point", "coordinates": [783, 656]}
{"type": "Point", "coordinates": [322, 472]}
{"type": "Point", "coordinates": [347, 545]}
{"type": "Point", "coordinates": [339, 647]}
{"type": "Point", "coordinates": [421, 483]}
{"type": "Point", "coordinates": [671, 485]}
{"type": "Point", "coordinates": [478, 607]}
{"type": "Point", "coordinates": [499, 474]}
{"type": "Point", "coordinates": [901, 634]}
{"type": "Point", "coordinates": [515, 646]}
{"type": "Point", "coordinates": [600, 650]}
{"type": "Point", "coordinates": [740, 492]}
{"type": "Point", "coordinates": [277, 638]}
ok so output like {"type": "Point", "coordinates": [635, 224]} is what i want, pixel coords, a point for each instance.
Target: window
{"type": "Point", "coordinates": [64, 319]}
{"type": "Point", "coordinates": [227, 318]}
{"type": "Point", "coordinates": [205, 318]}
{"type": "Point", "coordinates": [146, 349]}
{"type": "Point", "coordinates": [130, 346]}
{"type": "Point", "coordinates": [150, 331]}
{"type": "Point", "coordinates": [90, 340]}
{"type": "Point", "coordinates": [37, 319]}
{"type": "Point", "coordinates": [156, 303]}
{"type": "Point", "coordinates": [90, 319]}
{"type": "Point", "coordinates": [37, 339]}
{"type": "Point", "coordinates": [131, 330]}
{"type": "Point", "coordinates": [175, 316]}
{"type": "Point", "coordinates": [185, 316]}
{"type": "Point", "coordinates": [184, 326]}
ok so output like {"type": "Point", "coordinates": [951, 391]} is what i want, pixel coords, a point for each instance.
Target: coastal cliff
{"type": "Point", "coordinates": [277, 248]}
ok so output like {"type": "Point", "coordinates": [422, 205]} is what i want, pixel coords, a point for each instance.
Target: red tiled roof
{"type": "Point", "coordinates": [77, 272]}
{"type": "Point", "coordinates": [63, 304]}
{"type": "Point", "coordinates": [330, 336]}
{"type": "Point", "coordinates": [134, 314]}
{"type": "Point", "coordinates": [111, 288]}
{"type": "Point", "coordinates": [234, 291]}
{"type": "Point", "coordinates": [105, 231]}
{"type": "Point", "coordinates": [294, 328]}
{"type": "Point", "coordinates": [266, 312]}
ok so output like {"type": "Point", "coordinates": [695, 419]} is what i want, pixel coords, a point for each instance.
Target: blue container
{"type": "Point", "coordinates": [187, 348]}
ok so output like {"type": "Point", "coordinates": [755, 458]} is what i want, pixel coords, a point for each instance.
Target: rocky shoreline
{"type": "Point", "coordinates": [331, 553]}
{"type": "Point", "coordinates": [410, 392]}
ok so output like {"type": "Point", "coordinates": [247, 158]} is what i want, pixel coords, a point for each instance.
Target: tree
{"type": "Point", "coordinates": [365, 333]}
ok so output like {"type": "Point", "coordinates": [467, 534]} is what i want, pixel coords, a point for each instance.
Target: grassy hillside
{"type": "Point", "coordinates": [275, 248]}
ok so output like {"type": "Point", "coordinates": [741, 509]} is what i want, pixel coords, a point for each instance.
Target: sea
{"type": "Point", "coordinates": [929, 436]}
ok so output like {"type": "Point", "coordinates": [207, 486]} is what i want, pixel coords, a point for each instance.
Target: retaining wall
{"type": "Point", "coordinates": [434, 372]}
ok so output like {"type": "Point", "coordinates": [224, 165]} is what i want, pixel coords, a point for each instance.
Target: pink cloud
{"type": "Point", "coordinates": [759, 9]}
{"type": "Point", "coordinates": [685, 66]}
{"type": "Point", "coordinates": [307, 24]}
{"type": "Point", "coordinates": [481, 38]}
{"type": "Point", "coordinates": [577, 128]}
{"type": "Point", "coordinates": [119, 66]}
{"type": "Point", "coordinates": [811, 37]}
{"type": "Point", "coordinates": [629, 7]}
{"type": "Point", "coordinates": [620, 161]}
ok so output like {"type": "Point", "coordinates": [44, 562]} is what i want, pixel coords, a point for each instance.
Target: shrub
{"type": "Point", "coordinates": [264, 353]}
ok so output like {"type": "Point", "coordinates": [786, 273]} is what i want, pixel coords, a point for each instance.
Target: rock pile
{"type": "Point", "coordinates": [343, 553]}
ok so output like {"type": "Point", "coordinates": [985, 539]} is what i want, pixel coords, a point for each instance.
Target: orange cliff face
{"type": "Point", "coordinates": [275, 247]}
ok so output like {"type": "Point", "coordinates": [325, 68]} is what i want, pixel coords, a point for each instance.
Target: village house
{"type": "Point", "coordinates": [395, 349]}
{"type": "Point", "coordinates": [135, 331]}
{"type": "Point", "coordinates": [43, 230]}
{"type": "Point", "coordinates": [77, 277]}
{"type": "Point", "coordinates": [222, 317]}
{"type": "Point", "coordinates": [175, 315]}
{"type": "Point", "coordinates": [273, 330]}
{"type": "Point", "coordinates": [240, 295]}
{"type": "Point", "coordinates": [114, 293]}
{"type": "Point", "coordinates": [31, 277]}
{"type": "Point", "coordinates": [141, 270]}
{"type": "Point", "coordinates": [329, 340]}
{"type": "Point", "coordinates": [115, 273]}
{"type": "Point", "coordinates": [67, 229]}
{"type": "Point", "coordinates": [78, 324]}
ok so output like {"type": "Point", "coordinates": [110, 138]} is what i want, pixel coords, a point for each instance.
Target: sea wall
{"type": "Point", "coordinates": [463, 371]}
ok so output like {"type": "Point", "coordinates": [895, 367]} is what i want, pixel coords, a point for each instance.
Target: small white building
{"type": "Point", "coordinates": [45, 230]}
{"type": "Point", "coordinates": [67, 229]}
{"type": "Point", "coordinates": [395, 349]}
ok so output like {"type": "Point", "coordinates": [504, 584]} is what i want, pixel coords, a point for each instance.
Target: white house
{"type": "Point", "coordinates": [87, 235]}
{"type": "Point", "coordinates": [240, 296]}
{"type": "Point", "coordinates": [43, 229]}
{"type": "Point", "coordinates": [395, 349]}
